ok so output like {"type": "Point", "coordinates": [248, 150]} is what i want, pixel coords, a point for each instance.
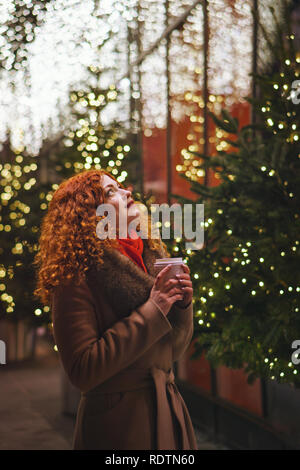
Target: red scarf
{"type": "Point", "coordinates": [133, 248]}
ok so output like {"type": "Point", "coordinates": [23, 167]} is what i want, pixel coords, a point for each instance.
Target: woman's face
{"type": "Point", "coordinates": [119, 198]}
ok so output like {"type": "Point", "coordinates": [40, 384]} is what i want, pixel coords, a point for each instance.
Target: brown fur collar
{"type": "Point", "coordinates": [124, 284]}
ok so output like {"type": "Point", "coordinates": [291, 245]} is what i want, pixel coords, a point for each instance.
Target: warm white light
{"type": "Point", "coordinates": [35, 100]}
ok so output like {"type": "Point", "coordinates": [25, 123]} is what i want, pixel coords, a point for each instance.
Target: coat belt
{"type": "Point", "coordinates": [169, 402]}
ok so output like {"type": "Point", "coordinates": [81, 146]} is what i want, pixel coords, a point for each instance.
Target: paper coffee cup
{"type": "Point", "coordinates": [176, 266]}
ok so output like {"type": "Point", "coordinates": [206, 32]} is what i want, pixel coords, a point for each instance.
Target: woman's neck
{"type": "Point", "coordinates": [129, 234]}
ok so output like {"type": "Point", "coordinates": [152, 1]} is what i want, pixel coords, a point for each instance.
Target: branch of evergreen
{"type": "Point", "coordinates": [200, 155]}
{"type": "Point", "coordinates": [232, 142]}
{"type": "Point", "coordinates": [232, 120]}
{"type": "Point", "coordinates": [200, 189]}
{"type": "Point", "coordinates": [254, 127]}
{"type": "Point", "coordinates": [181, 198]}
{"type": "Point", "coordinates": [224, 124]}
{"type": "Point", "coordinates": [224, 158]}
{"type": "Point", "coordinates": [213, 163]}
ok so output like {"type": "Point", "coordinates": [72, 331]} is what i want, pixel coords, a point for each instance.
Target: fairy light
{"type": "Point", "coordinates": [232, 84]}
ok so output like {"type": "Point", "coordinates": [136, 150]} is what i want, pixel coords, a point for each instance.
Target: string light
{"type": "Point", "coordinates": [225, 90]}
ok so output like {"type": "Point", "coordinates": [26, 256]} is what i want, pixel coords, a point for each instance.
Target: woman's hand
{"type": "Point", "coordinates": [187, 287]}
{"type": "Point", "coordinates": [165, 292]}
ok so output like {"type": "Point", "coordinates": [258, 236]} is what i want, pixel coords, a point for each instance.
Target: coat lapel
{"type": "Point", "coordinates": [124, 284]}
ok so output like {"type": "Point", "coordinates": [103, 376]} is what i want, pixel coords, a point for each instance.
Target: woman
{"type": "Point", "coordinates": [117, 326]}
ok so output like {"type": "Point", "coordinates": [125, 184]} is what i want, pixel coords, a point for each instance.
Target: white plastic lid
{"type": "Point", "coordinates": [169, 261]}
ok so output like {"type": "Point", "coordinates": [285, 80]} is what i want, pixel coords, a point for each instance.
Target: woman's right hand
{"type": "Point", "coordinates": [165, 291]}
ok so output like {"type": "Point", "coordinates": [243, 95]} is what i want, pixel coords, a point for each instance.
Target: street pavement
{"type": "Point", "coordinates": [31, 416]}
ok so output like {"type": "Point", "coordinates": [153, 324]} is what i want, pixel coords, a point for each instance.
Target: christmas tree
{"type": "Point", "coordinates": [246, 296]}
{"type": "Point", "coordinates": [110, 147]}
{"type": "Point", "coordinates": [27, 185]}
{"type": "Point", "coordinates": [23, 202]}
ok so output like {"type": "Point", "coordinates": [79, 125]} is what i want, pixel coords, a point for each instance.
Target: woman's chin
{"type": "Point", "coordinates": [132, 212]}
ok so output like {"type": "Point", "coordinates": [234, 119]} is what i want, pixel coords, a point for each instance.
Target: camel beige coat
{"type": "Point", "coordinates": [118, 348]}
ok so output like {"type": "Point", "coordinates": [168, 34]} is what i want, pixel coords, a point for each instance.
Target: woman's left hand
{"type": "Point", "coordinates": [184, 281]}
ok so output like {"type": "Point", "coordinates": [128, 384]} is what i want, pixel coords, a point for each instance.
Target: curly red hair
{"type": "Point", "coordinates": [68, 243]}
